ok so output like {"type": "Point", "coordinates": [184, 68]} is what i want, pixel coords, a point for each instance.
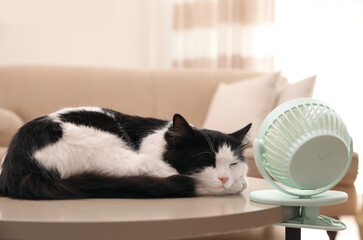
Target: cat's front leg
{"type": "Point", "coordinates": [156, 167]}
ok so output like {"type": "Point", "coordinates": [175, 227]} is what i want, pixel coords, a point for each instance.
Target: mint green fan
{"type": "Point", "coordinates": [305, 146]}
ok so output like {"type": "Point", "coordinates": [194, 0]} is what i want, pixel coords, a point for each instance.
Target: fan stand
{"type": "Point", "coordinates": [308, 208]}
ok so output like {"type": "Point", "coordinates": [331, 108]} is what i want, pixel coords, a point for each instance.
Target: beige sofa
{"type": "Point", "coordinates": [27, 92]}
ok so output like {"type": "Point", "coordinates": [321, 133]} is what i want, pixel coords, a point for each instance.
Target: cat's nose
{"type": "Point", "coordinates": [223, 179]}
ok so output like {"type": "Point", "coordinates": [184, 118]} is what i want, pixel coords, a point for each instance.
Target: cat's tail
{"type": "Point", "coordinates": [91, 185]}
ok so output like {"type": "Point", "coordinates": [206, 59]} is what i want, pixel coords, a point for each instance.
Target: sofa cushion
{"type": "Point", "coordinates": [189, 92]}
{"type": "Point", "coordinates": [33, 91]}
{"type": "Point", "coordinates": [236, 104]}
{"type": "Point", "coordinates": [9, 124]}
{"type": "Point", "coordinates": [303, 88]}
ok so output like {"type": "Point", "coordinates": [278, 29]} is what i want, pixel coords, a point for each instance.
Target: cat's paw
{"type": "Point", "coordinates": [244, 186]}
{"type": "Point", "coordinates": [237, 187]}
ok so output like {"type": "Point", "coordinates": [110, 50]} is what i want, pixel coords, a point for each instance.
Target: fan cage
{"type": "Point", "coordinates": [291, 129]}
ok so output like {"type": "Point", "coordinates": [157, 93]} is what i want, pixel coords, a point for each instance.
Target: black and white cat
{"type": "Point", "coordinates": [90, 152]}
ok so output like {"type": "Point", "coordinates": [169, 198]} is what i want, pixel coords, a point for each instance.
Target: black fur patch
{"type": "Point", "coordinates": [137, 127]}
{"type": "Point", "coordinates": [93, 185]}
{"type": "Point", "coordinates": [19, 161]}
{"type": "Point", "coordinates": [131, 129]}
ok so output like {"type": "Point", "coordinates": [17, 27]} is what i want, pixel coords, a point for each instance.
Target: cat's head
{"type": "Point", "coordinates": [214, 159]}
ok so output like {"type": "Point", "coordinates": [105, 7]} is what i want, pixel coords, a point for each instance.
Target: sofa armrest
{"type": "Point", "coordinates": [10, 122]}
{"type": "Point", "coordinates": [352, 172]}
{"type": "Point", "coordinates": [3, 151]}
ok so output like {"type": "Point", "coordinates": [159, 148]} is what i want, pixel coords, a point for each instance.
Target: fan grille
{"type": "Point", "coordinates": [291, 129]}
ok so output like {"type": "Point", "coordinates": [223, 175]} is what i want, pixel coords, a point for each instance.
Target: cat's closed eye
{"type": "Point", "coordinates": [233, 164]}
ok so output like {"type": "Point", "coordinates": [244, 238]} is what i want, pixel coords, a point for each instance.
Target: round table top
{"type": "Point", "coordinates": [137, 218]}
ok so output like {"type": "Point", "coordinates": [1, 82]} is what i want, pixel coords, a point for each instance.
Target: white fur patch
{"type": "Point", "coordinates": [209, 180]}
{"type": "Point", "coordinates": [83, 149]}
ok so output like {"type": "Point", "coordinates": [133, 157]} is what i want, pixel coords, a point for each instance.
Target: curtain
{"type": "Point", "coordinates": [325, 38]}
{"type": "Point", "coordinates": [223, 34]}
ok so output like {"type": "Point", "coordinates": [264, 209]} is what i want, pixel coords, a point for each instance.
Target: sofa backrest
{"type": "Point", "coordinates": [32, 91]}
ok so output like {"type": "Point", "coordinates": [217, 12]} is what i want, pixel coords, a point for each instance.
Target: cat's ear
{"type": "Point", "coordinates": [181, 127]}
{"type": "Point", "coordinates": [240, 134]}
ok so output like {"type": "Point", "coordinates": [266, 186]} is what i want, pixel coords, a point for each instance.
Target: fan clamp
{"type": "Point", "coordinates": [308, 208]}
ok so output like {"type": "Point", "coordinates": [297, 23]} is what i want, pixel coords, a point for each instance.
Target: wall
{"type": "Point", "coordinates": [124, 33]}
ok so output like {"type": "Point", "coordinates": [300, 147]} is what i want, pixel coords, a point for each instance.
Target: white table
{"type": "Point", "coordinates": [137, 218]}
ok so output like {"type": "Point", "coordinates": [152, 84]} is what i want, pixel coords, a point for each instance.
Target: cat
{"type": "Point", "coordinates": [92, 152]}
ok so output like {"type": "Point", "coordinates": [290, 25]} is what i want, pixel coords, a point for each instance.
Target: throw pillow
{"type": "Point", "coordinates": [10, 122]}
{"type": "Point", "coordinates": [303, 88]}
{"type": "Point", "coordinates": [236, 104]}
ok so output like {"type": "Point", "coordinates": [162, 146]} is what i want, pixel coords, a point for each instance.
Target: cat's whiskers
{"type": "Point", "coordinates": [240, 148]}
{"type": "Point", "coordinates": [208, 141]}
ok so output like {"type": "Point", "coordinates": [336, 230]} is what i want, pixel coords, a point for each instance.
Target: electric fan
{"type": "Point", "coordinates": [305, 146]}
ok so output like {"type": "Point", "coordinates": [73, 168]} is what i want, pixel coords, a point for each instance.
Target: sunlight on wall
{"type": "Point", "coordinates": [112, 33]}
{"type": "Point", "coordinates": [326, 38]}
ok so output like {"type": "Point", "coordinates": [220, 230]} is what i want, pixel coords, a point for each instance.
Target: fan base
{"type": "Point", "coordinates": [275, 197]}
{"type": "Point", "coordinates": [308, 208]}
